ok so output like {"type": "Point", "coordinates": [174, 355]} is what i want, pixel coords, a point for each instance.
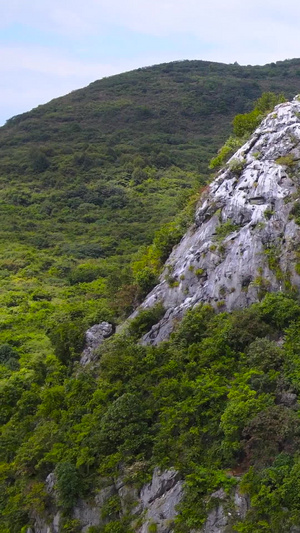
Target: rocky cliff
{"type": "Point", "coordinates": [244, 240]}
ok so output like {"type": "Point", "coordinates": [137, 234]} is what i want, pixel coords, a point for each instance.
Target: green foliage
{"type": "Point", "coordinates": [212, 398]}
{"type": "Point", "coordinates": [247, 123]}
{"type": "Point", "coordinates": [86, 186]}
{"type": "Point", "coordinates": [231, 145]}
{"type": "Point", "coordinates": [268, 213]}
{"type": "Point", "coordinates": [243, 125]}
{"type": "Point", "coordinates": [146, 280]}
{"type": "Point", "coordinates": [145, 319]}
{"type": "Point", "coordinates": [152, 528]}
{"type": "Point", "coordinates": [237, 165]}
{"type": "Point", "coordinates": [116, 526]}
{"type": "Point", "coordinates": [67, 340]}
{"type": "Point", "coordinates": [67, 484]}
{"type": "Point", "coordinates": [286, 160]}
{"type": "Point", "coordinates": [111, 508]}
{"type": "Point", "coordinates": [225, 229]}
{"type": "Point", "coordinates": [39, 161]}
{"type": "Point", "coordinates": [9, 357]}
{"type": "Point", "coordinates": [71, 526]}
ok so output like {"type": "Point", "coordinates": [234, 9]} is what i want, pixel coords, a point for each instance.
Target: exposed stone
{"type": "Point", "coordinates": [89, 515]}
{"type": "Point", "coordinates": [105, 494]}
{"type": "Point", "coordinates": [254, 208]}
{"type": "Point", "coordinates": [242, 504]}
{"type": "Point", "coordinates": [216, 521]}
{"type": "Point", "coordinates": [129, 498]}
{"type": "Point", "coordinates": [161, 483]}
{"type": "Point", "coordinates": [219, 494]}
{"type": "Point", "coordinates": [50, 483]}
{"type": "Point", "coordinates": [94, 337]}
{"type": "Point", "coordinates": [56, 522]}
{"type": "Point", "coordinates": [229, 509]}
{"type": "Point", "coordinates": [287, 398]}
{"type": "Point", "coordinates": [159, 500]}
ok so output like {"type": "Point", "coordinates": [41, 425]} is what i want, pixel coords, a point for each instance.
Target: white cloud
{"type": "Point", "coordinates": [244, 25]}
{"type": "Point", "coordinates": [247, 32]}
{"type": "Point", "coordinates": [50, 61]}
{"type": "Point", "coordinates": [215, 19]}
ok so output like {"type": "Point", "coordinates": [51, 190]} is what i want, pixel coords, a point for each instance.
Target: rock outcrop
{"type": "Point", "coordinates": [226, 511]}
{"type": "Point", "coordinates": [159, 500]}
{"type": "Point", "coordinates": [155, 504]}
{"type": "Point", "coordinates": [245, 239]}
{"type": "Point", "coordinates": [94, 337]}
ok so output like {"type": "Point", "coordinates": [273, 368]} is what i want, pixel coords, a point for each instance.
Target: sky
{"type": "Point", "coordinates": [51, 47]}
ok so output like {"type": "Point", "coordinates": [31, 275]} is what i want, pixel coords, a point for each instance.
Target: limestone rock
{"type": "Point", "coordinates": [216, 521]}
{"type": "Point", "coordinates": [93, 338]}
{"type": "Point", "coordinates": [228, 509]}
{"type": "Point", "coordinates": [243, 218]}
{"type": "Point", "coordinates": [50, 483]}
{"type": "Point", "coordinates": [161, 483]}
{"type": "Point", "coordinates": [159, 500]}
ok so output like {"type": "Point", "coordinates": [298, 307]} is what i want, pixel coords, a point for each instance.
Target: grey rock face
{"type": "Point", "coordinates": [156, 502]}
{"type": "Point", "coordinates": [161, 483]}
{"type": "Point", "coordinates": [159, 500]}
{"type": "Point", "coordinates": [50, 483]}
{"type": "Point", "coordinates": [228, 510]}
{"type": "Point", "coordinates": [93, 338]}
{"type": "Point", "coordinates": [89, 515]}
{"type": "Point", "coordinates": [242, 504]}
{"type": "Point", "coordinates": [216, 521]}
{"type": "Point", "coordinates": [242, 219]}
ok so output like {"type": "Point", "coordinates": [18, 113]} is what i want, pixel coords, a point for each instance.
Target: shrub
{"type": "Point", "coordinates": [225, 229]}
{"type": "Point", "coordinates": [286, 160]}
{"type": "Point", "coordinates": [9, 357]}
{"type": "Point", "coordinates": [68, 340]}
{"type": "Point", "coordinates": [144, 321]}
{"type": "Point", "coordinates": [67, 484]}
{"type": "Point", "coordinates": [84, 273]}
{"type": "Point", "coordinates": [236, 165]}
{"type": "Point", "coordinates": [146, 280]}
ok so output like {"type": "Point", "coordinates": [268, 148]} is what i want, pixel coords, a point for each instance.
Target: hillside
{"type": "Point", "coordinates": [87, 180]}
{"type": "Point", "coordinates": [195, 434]}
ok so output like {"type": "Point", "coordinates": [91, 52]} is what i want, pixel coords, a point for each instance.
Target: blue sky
{"type": "Point", "coordinates": [48, 48]}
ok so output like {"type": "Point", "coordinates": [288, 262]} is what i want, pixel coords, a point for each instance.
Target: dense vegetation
{"type": "Point", "coordinates": [243, 125]}
{"type": "Point", "coordinates": [87, 183]}
{"type": "Point", "coordinates": [87, 180]}
{"type": "Point", "coordinates": [218, 400]}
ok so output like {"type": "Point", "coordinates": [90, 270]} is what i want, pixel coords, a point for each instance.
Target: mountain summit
{"type": "Point", "coordinates": [245, 239]}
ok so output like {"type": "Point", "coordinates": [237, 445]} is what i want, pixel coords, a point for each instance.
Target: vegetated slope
{"type": "Point", "coordinates": [87, 179]}
{"type": "Point", "coordinates": [218, 402]}
{"type": "Point", "coordinates": [216, 399]}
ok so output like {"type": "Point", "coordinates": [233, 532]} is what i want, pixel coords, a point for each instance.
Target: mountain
{"type": "Point", "coordinates": [87, 180]}
{"type": "Point", "coordinates": [200, 432]}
